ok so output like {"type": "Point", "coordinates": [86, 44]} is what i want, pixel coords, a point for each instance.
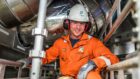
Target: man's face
{"type": "Point", "coordinates": [76, 29]}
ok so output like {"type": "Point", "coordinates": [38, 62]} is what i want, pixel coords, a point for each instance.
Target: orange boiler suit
{"type": "Point", "coordinates": [72, 58]}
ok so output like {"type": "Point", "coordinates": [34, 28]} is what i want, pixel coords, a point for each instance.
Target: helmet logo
{"type": "Point", "coordinates": [81, 13]}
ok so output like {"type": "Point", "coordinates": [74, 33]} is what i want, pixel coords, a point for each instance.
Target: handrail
{"type": "Point", "coordinates": [120, 19]}
{"type": "Point", "coordinates": [112, 11]}
{"type": "Point", "coordinates": [129, 63]}
{"type": "Point", "coordinates": [10, 63]}
{"type": "Point", "coordinates": [4, 63]}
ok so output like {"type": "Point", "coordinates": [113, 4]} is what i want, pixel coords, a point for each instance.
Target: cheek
{"type": "Point", "coordinates": [83, 27]}
{"type": "Point", "coordinates": [72, 26]}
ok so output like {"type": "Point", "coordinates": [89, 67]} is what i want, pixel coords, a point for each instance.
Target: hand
{"type": "Point", "coordinates": [25, 62]}
{"type": "Point", "coordinates": [85, 69]}
{"type": "Point", "coordinates": [65, 77]}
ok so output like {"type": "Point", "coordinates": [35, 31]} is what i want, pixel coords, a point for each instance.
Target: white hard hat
{"type": "Point", "coordinates": [78, 13]}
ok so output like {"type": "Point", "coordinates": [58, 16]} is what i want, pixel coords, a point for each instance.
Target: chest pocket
{"type": "Point", "coordinates": [79, 54]}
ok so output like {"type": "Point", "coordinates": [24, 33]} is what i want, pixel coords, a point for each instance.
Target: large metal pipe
{"type": "Point", "coordinates": [38, 45]}
{"type": "Point", "coordinates": [119, 20]}
{"type": "Point", "coordinates": [14, 12]}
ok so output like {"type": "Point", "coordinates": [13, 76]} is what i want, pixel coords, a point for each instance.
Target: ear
{"type": "Point", "coordinates": [66, 24]}
{"type": "Point", "coordinates": [88, 26]}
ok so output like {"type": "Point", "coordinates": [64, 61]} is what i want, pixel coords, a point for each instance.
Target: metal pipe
{"type": "Point", "coordinates": [138, 31]}
{"type": "Point", "coordinates": [112, 75]}
{"type": "Point", "coordinates": [112, 11]}
{"type": "Point", "coordinates": [121, 74]}
{"type": "Point", "coordinates": [106, 75]}
{"type": "Point", "coordinates": [2, 71]}
{"type": "Point", "coordinates": [119, 8]}
{"type": "Point", "coordinates": [132, 62]}
{"type": "Point", "coordinates": [9, 63]}
{"type": "Point", "coordinates": [119, 20]}
{"type": "Point", "coordinates": [19, 72]}
{"type": "Point", "coordinates": [38, 45]}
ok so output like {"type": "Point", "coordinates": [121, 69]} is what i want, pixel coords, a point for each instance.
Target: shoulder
{"type": "Point", "coordinates": [60, 40]}
{"type": "Point", "coordinates": [94, 39]}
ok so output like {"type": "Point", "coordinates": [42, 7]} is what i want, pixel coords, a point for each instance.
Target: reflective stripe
{"type": "Point", "coordinates": [107, 61]}
{"type": "Point", "coordinates": [65, 41]}
{"type": "Point", "coordinates": [89, 37]}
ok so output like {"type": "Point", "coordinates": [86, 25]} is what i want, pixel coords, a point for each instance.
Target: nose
{"type": "Point", "coordinates": [78, 25]}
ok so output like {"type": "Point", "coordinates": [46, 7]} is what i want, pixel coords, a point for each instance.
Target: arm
{"type": "Point", "coordinates": [102, 55]}
{"type": "Point", "coordinates": [51, 53]}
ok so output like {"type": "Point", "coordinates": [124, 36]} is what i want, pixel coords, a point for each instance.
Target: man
{"type": "Point", "coordinates": [81, 56]}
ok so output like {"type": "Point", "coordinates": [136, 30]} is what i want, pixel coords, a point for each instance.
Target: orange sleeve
{"type": "Point", "coordinates": [102, 55]}
{"type": "Point", "coordinates": [51, 53]}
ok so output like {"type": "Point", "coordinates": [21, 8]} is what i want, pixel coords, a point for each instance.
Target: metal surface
{"type": "Point", "coordinates": [38, 45]}
{"type": "Point", "coordinates": [14, 12]}
{"type": "Point", "coordinates": [33, 5]}
{"type": "Point", "coordinates": [119, 20]}
{"type": "Point", "coordinates": [19, 9]}
{"type": "Point", "coordinates": [56, 14]}
{"type": "Point", "coordinates": [138, 31]}
{"type": "Point", "coordinates": [109, 17]}
{"type": "Point", "coordinates": [10, 47]}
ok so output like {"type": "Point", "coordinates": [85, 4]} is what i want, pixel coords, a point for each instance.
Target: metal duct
{"type": "Point", "coordinates": [14, 12]}
{"type": "Point", "coordinates": [98, 10]}
{"type": "Point", "coordinates": [57, 12]}
{"type": "Point", "coordinates": [55, 22]}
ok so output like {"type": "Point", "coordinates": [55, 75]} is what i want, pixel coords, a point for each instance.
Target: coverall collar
{"type": "Point", "coordinates": [84, 37]}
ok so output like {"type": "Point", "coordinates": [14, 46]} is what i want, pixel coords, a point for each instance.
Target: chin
{"type": "Point", "coordinates": [77, 35]}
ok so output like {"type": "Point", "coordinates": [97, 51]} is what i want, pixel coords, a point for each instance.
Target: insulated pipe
{"type": "Point", "coordinates": [15, 12]}
{"type": "Point", "coordinates": [38, 45]}
{"type": "Point", "coordinates": [119, 20]}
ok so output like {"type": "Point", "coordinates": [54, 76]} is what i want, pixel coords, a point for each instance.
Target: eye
{"type": "Point", "coordinates": [82, 23]}
{"type": "Point", "coordinates": [74, 22]}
